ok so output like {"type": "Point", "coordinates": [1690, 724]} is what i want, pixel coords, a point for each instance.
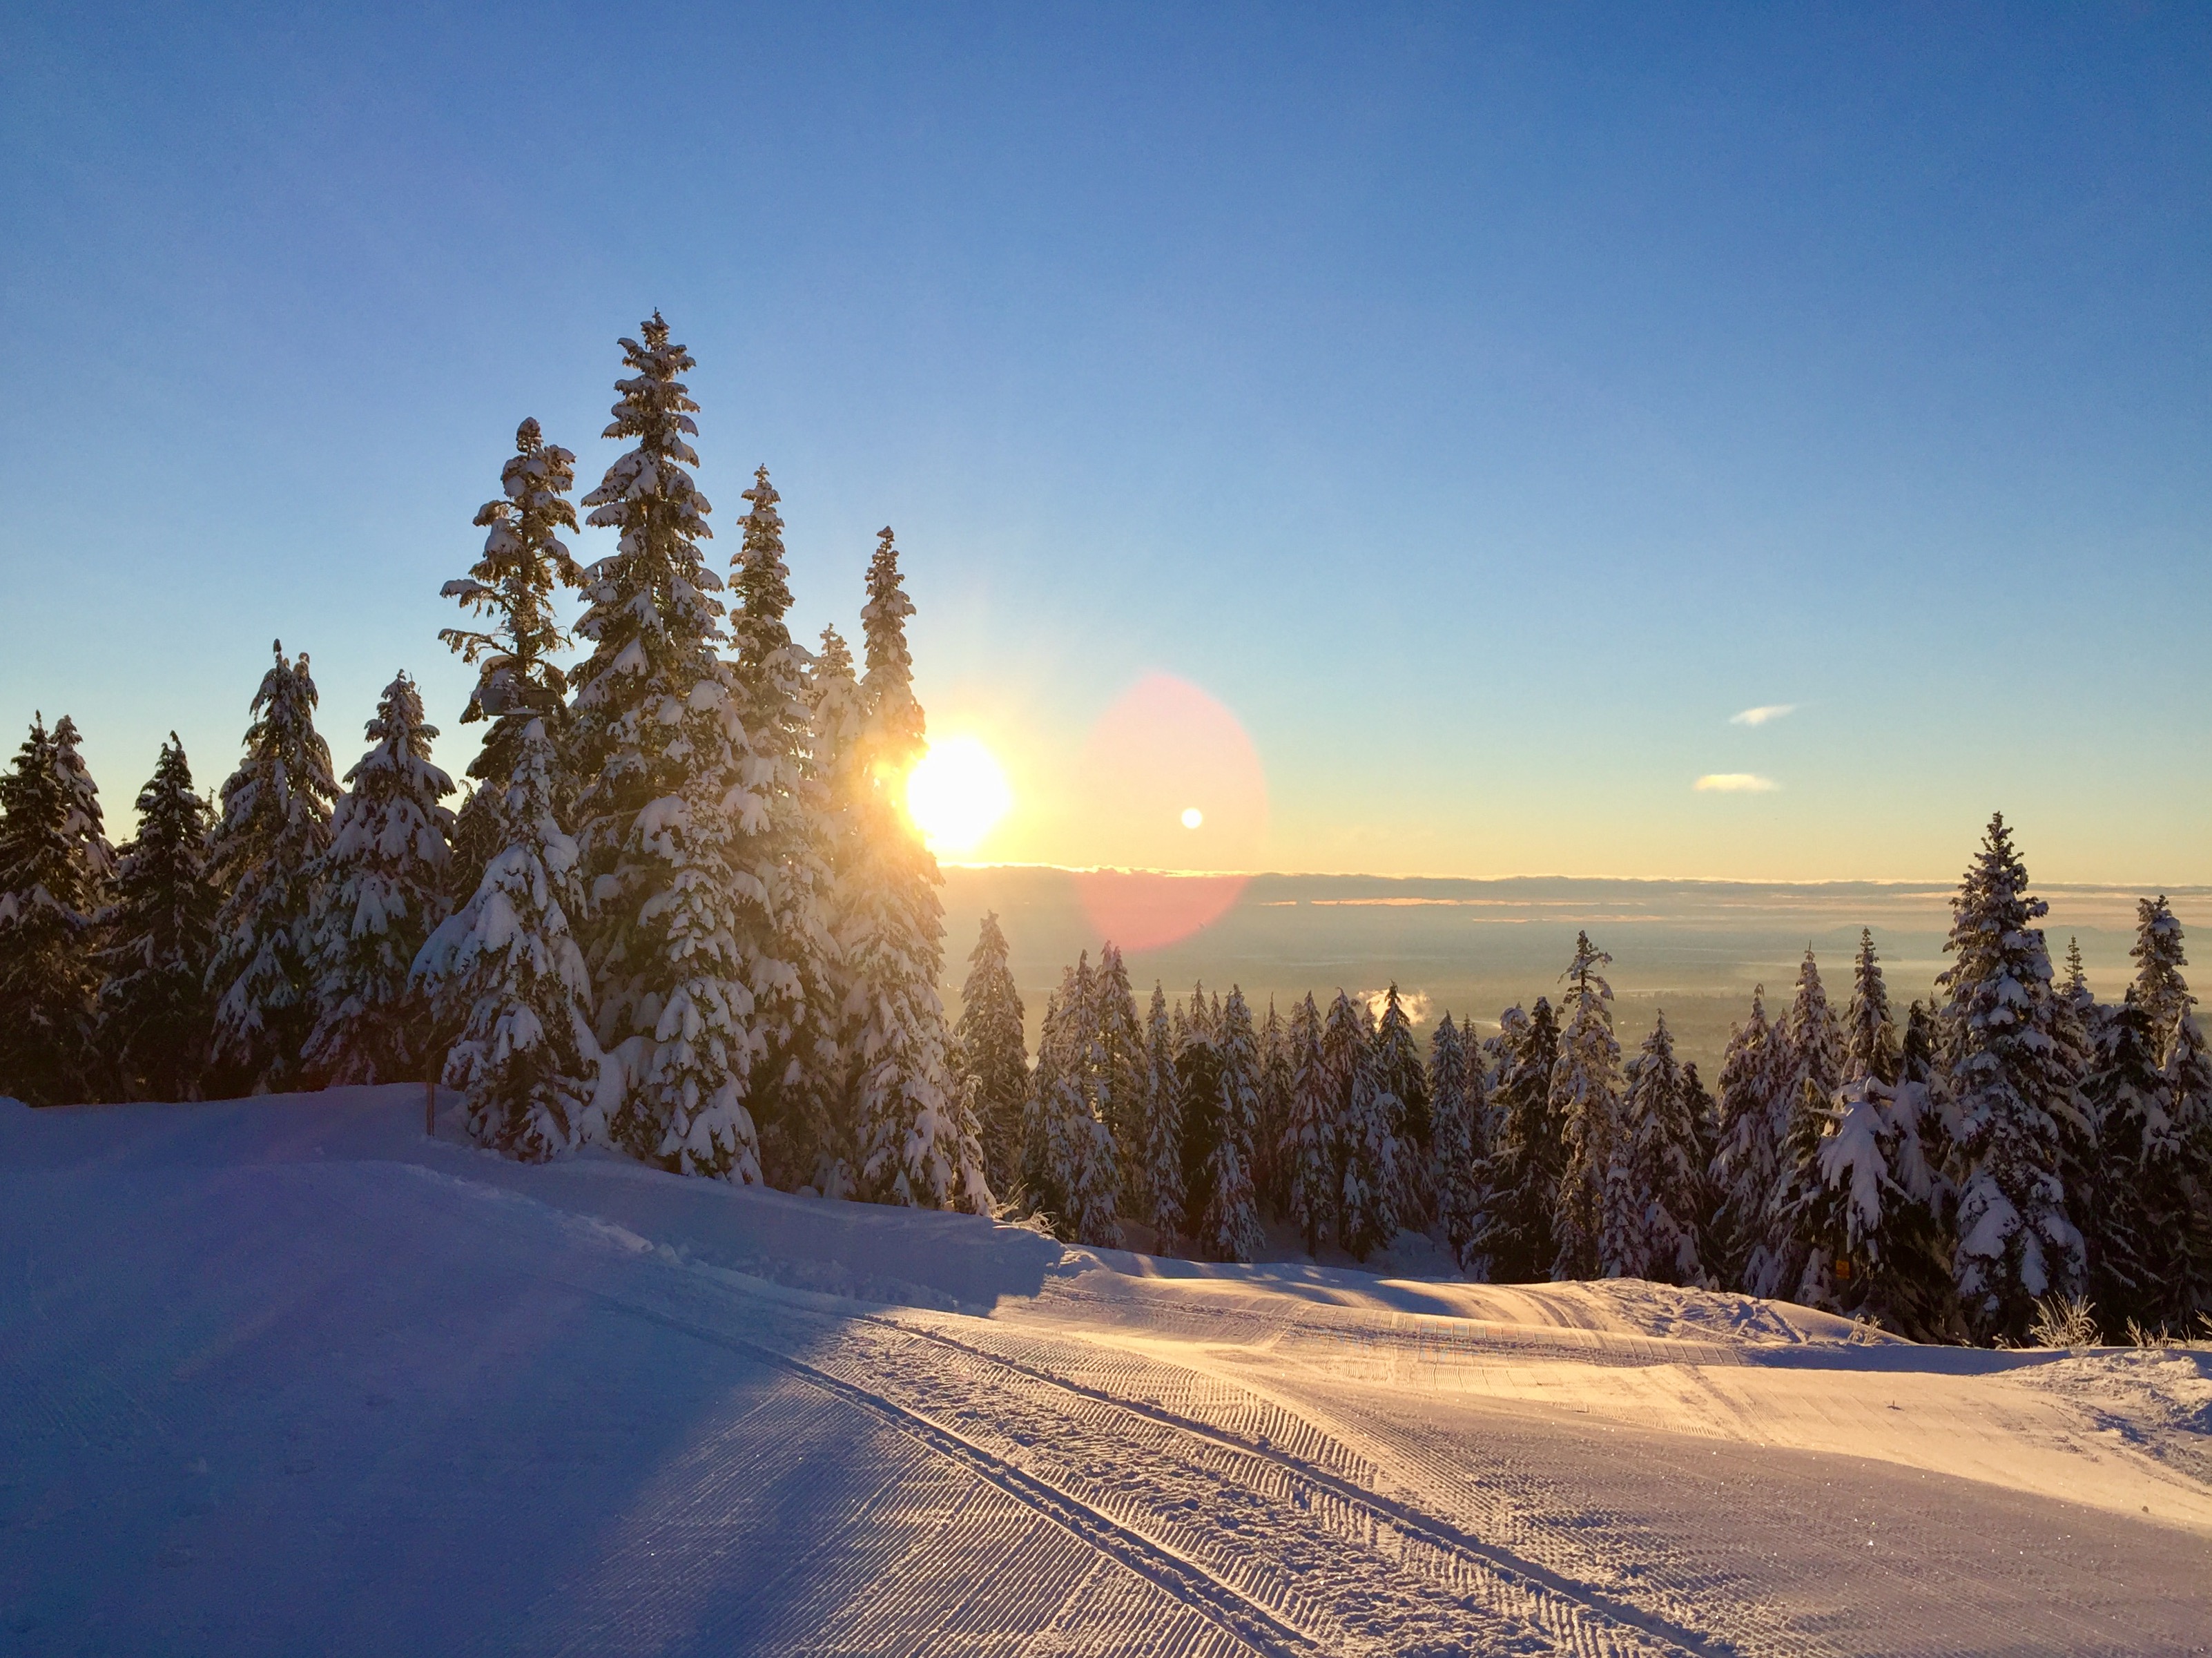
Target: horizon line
{"type": "Point", "coordinates": [1943, 884]}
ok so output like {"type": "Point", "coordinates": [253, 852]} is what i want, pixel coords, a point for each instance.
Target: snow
{"type": "Point", "coordinates": [285, 1374]}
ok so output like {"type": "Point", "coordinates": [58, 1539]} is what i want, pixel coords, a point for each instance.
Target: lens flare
{"type": "Point", "coordinates": [957, 793]}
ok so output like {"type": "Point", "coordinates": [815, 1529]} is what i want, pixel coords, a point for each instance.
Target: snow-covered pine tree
{"type": "Point", "coordinates": [1657, 1180]}
{"type": "Point", "coordinates": [660, 755]}
{"type": "Point", "coordinates": [1043, 1177]}
{"type": "Point", "coordinates": [1163, 1193]}
{"type": "Point", "coordinates": [1230, 1228]}
{"type": "Point", "coordinates": [525, 1057]}
{"type": "Point", "coordinates": [2187, 1075]}
{"type": "Point", "coordinates": [265, 851]}
{"type": "Point", "coordinates": [1807, 1085]}
{"type": "Point", "coordinates": [1271, 1168]}
{"type": "Point", "coordinates": [1367, 1217]}
{"type": "Point", "coordinates": [1869, 1047]}
{"type": "Point", "coordinates": [1309, 1151]}
{"type": "Point", "coordinates": [1747, 1154]}
{"type": "Point", "coordinates": [836, 763]}
{"type": "Point", "coordinates": [1585, 1102]}
{"type": "Point", "coordinates": [1198, 1081]}
{"type": "Point", "coordinates": [1521, 1179]}
{"type": "Point", "coordinates": [1455, 1114]}
{"type": "Point", "coordinates": [993, 1054]}
{"type": "Point", "coordinates": [801, 1025]}
{"type": "Point", "coordinates": [380, 890]}
{"type": "Point", "coordinates": [157, 937]}
{"type": "Point", "coordinates": [524, 562]}
{"type": "Point", "coordinates": [1699, 1103]}
{"type": "Point", "coordinates": [918, 1144]}
{"type": "Point", "coordinates": [55, 866]}
{"type": "Point", "coordinates": [1123, 1034]}
{"type": "Point", "coordinates": [1401, 1074]}
{"type": "Point", "coordinates": [2159, 988]}
{"type": "Point", "coordinates": [2012, 1097]}
{"type": "Point", "coordinates": [1068, 1158]}
{"type": "Point", "coordinates": [2134, 1215]}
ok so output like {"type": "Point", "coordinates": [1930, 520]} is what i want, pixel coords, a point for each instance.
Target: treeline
{"type": "Point", "coordinates": [680, 910]}
{"type": "Point", "coordinates": [2013, 1147]}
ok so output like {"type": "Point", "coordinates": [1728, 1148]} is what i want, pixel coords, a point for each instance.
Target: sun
{"type": "Point", "coordinates": [957, 793]}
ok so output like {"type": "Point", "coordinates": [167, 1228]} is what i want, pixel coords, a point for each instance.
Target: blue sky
{"type": "Point", "coordinates": [1484, 404]}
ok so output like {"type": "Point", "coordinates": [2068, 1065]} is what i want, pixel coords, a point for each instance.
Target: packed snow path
{"type": "Point", "coordinates": [285, 1376]}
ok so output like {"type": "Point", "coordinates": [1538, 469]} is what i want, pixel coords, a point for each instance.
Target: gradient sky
{"type": "Point", "coordinates": [1482, 405]}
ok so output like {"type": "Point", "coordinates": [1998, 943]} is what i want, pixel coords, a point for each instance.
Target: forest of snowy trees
{"type": "Point", "coordinates": [680, 913]}
{"type": "Point", "coordinates": [2011, 1156]}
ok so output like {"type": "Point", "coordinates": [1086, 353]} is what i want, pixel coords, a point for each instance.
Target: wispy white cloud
{"type": "Point", "coordinates": [1735, 782]}
{"type": "Point", "coordinates": [1761, 715]}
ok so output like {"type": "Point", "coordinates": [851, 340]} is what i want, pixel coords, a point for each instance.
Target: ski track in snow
{"type": "Point", "coordinates": [283, 1377]}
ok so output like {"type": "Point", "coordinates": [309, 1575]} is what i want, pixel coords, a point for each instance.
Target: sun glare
{"type": "Point", "coordinates": [957, 793]}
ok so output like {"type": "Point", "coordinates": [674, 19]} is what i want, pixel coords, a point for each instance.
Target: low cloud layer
{"type": "Point", "coordinates": [1761, 715]}
{"type": "Point", "coordinates": [1735, 782]}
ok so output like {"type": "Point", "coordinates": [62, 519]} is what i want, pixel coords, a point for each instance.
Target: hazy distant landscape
{"type": "Point", "coordinates": [1695, 948]}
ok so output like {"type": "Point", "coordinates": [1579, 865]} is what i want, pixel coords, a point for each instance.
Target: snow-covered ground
{"type": "Point", "coordinates": [286, 1376]}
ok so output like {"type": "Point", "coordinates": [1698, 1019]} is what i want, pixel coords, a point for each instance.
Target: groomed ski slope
{"type": "Point", "coordinates": [285, 1376]}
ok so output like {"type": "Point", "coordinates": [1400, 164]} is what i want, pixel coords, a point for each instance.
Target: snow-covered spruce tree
{"type": "Point", "coordinates": [380, 890]}
{"type": "Point", "coordinates": [1123, 1034]}
{"type": "Point", "coordinates": [265, 851]}
{"type": "Point", "coordinates": [1592, 1238]}
{"type": "Point", "coordinates": [1806, 1085]}
{"type": "Point", "coordinates": [918, 1142]}
{"type": "Point", "coordinates": [1520, 1178]}
{"type": "Point", "coordinates": [157, 937]}
{"type": "Point", "coordinates": [1198, 1082]}
{"type": "Point", "coordinates": [1069, 1162]}
{"type": "Point", "coordinates": [837, 763]}
{"type": "Point", "coordinates": [525, 1057]}
{"type": "Point", "coordinates": [1230, 1228]}
{"type": "Point", "coordinates": [2133, 1216]}
{"type": "Point", "coordinates": [1748, 1153]}
{"type": "Point", "coordinates": [1869, 1045]}
{"type": "Point", "coordinates": [2011, 1097]}
{"type": "Point", "coordinates": [994, 1059]}
{"type": "Point", "coordinates": [1271, 1168]}
{"type": "Point", "coordinates": [661, 754]}
{"type": "Point", "coordinates": [1043, 1176]}
{"type": "Point", "coordinates": [1310, 1151]}
{"type": "Point", "coordinates": [1163, 1193]}
{"type": "Point", "coordinates": [1401, 1075]}
{"type": "Point", "coordinates": [55, 865]}
{"type": "Point", "coordinates": [805, 1015]}
{"type": "Point", "coordinates": [524, 562]}
{"type": "Point", "coordinates": [1657, 1180]}
{"type": "Point", "coordinates": [2187, 1075]}
{"type": "Point", "coordinates": [1367, 1216]}
{"type": "Point", "coordinates": [1456, 1112]}
{"type": "Point", "coordinates": [2159, 987]}
{"type": "Point", "coordinates": [1698, 1104]}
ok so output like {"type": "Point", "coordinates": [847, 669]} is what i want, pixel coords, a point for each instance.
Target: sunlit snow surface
{"type": "Point", "coordinates": [284, 1376]}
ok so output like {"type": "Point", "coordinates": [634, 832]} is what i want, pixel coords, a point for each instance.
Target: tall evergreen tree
{"type": "Point", "coordinates": [1455, 1114]}
{"type": "Point", "coordinates": [379, 891]}
{"type": "Point", "coordinates": [1163, 1193]}
{"type": "Point", "coordinates": [1069, 1158]}
{"type": "Point", "coordinates": [800, 1024]}
{"type": "Point", "coordinates": [1657, 1179]}
{"type": "Point", "coordinates": [1310, 1151]}
{"type": "Point", "coordinates": [837, 763]}
{"type": "Point", "coordinates": [661, 755]}
{"type": "Point", "coordinates": [157, 937]}
{"type": "Point", "coordinates": [266, 850]}
{"type": "Point", "coordinates": [1521, 1181]}
{"type": "Point", "coordinates": [993, 1054]}
{"type": "Point", "coordinates": [1401, 1075]}
{"type": "Point", "coordinates": [1198, 1085]}
{"type": "Point", "coordinates": [2134, 1217]}
{"type": "Point", "coordinates": [2012, 1096]}
{"type": "Point", "coordinates": [524, 563]}
{"type": "Point", "coordinates": [1271, 1173]}
{"type": "Point", "coordinates": [1368, 1214]}
{"type": "Point", "coordinates": [1748, 1153]}
{"type": "Point", "coordinates": [1585, 1102]}
{"type": "Point", "coordinates": [1869, 1047]}
{"type": "Point", "coordinates": [918, 1143]}
{"type": "Point", "coordinates": [1230, 1228]}
{"type": "Point", "coordinates": [2187, 1076]}
{"type": "Point", "coordinates": [55, 866]}
{"type": "Point", "coordinates": [2159, 987]}
{"type": "Point", "coordinates": [525, 1057]}
{"type": "Point", "coordinates": [1127, 1093]}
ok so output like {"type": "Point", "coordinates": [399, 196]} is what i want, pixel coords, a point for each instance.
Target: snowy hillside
{"type": "Point", "coordinates": [286, 1376]}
